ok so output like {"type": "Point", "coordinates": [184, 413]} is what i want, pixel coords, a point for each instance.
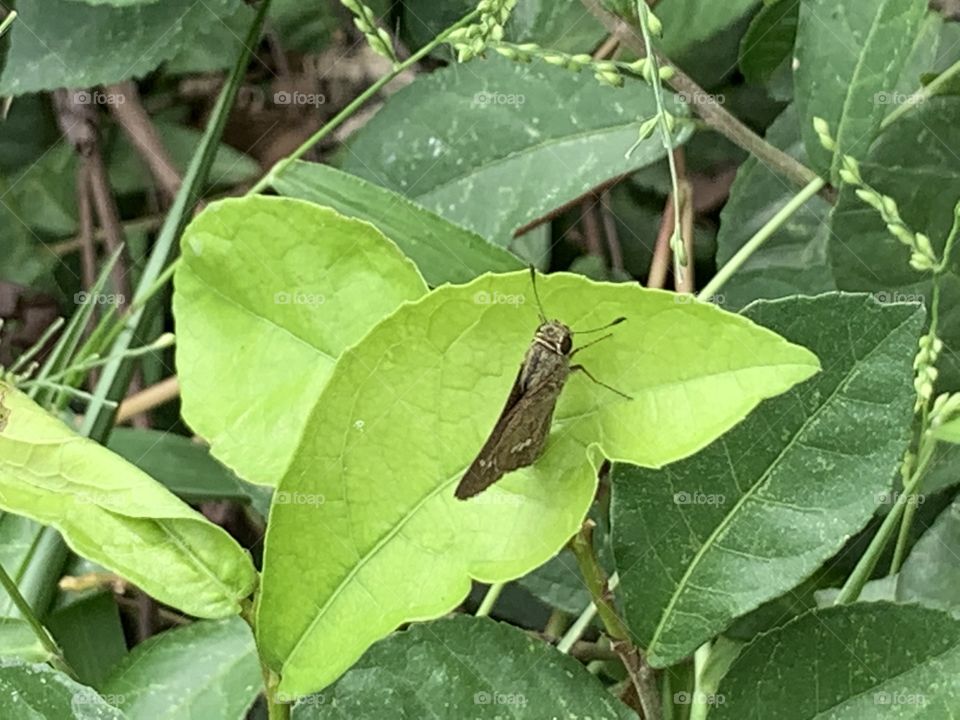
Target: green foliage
{"type": "Point", "coordinates": [416, 396]}
{"type": "Point", "coordinates": [516, 156]}
{"type": "Point", "coordinates": [841, 666]}
{"type": "Point", "coordinates": [776, 497]}
{"type": "Point", "coordinates": [113, 514]}
{"type": "Point", "coordinates": [420, 673]}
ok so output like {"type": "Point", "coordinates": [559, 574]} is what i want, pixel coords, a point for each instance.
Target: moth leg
{"type": "Point", "coordinates": [592, 342]}
{"type": "Point", "coordinates": [581, 368]}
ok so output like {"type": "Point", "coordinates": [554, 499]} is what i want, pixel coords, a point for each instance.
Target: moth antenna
{"type": "Point", "coordinates": [533, 281]}
{"type": "Point", "coordinates": [605, 327]}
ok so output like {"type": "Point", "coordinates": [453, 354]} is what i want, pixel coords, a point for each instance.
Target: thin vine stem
{"type": "Point", "coordinates": [676, 240]}
{"type": "Point", "coordinates": [490, 599]}
{"type": "Point", "coordinates": [765, 233]}
{"type": "Point", "coordinates": [342, 116]}
{"type": "Point", "coordinates": [43, 635]}
{"type": "Point", "coordinates": [900, 551]}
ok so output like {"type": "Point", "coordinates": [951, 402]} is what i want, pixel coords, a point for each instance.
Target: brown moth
{"type": "Point", "coordinates": [521, 431]}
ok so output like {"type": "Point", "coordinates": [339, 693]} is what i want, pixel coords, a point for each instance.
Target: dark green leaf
{"type": "Point", "coordinates": [497, 144]}
{"type": "Point", "coordinates": [931, 573]}
{"type": "Point", "coordinates": [852, 662]}
{"type": "Point", "coordinates": [204, 671]}
{"type": "Point", "coordinates": [443, 252]}
{"type": "Point", "coordinates": [755, 513]}
{"type": "Point", "coordinates": [49, 695]}
{"type": "Point", "coordinates": [464, 667]}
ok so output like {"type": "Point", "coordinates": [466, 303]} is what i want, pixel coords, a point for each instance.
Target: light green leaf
{"type": "Point", "coordinates": [713, 537]}
{"type": "Point", "coordinates": [17, 639]}
{"type": "Point", "coordinates": [263, 278]}
{"type": "Point", "coordinates": [443, 252]}
{"type": "Point", "coordinates": [849, 56]}
{"type": "Point", "coordinates": [794, 260]}
{"type": "Point", "coordinates": [49, 694]}
{"type": "Point", "coordinates": [931, 574]}
{"type": "Point", "coordinates": [464, 667]}
{"type": "Point", "coordinates": [60, 43]}
{"type": "Point", "coordinates": [204, 671]}
{"type": "Point", "coordinates": [407, 409]}
{"type": "Point", "coordinates": [949, 431]}
{"type": "Point", "coordinates": [112, 513]}
{"type": "Point", "coordinates": [850, 662]}
{"type": "Point", "coordinates": [497, 144]}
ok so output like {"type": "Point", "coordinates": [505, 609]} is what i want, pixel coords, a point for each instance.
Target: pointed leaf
{"type": "Point", "coordinates": [443, 252]}
{"type": "Point", "coordinates": [110, 512]}
{"type": "Point", "coordinates": [464, 667]}
{"type": "Point", "coordinates": [498, 144]}
{"type": "Point", "coordinates": [713, 537]}
{"type": "Point", "coordinates": [49, 695]}
{"type": "Point", "coordinates": [406, 411]}
{"type": "Point", "coordinates": [849, 662]}
{"type": "Point", "coordinates": [263, 279]}
{"type": "Point", "coordinates": [204, 671]}
{"type": "Point", "coordinates": [849, 56]}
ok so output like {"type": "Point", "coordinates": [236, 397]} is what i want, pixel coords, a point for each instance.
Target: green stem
{"type": "Point", "coordinates": [7, 22]}
{"type": "Point", "coordinates": [43, 635]}
{"type": "Point", "coordinates": [679, 254]}
{"type": "Point", "coordinates": [764, 234]}
{"type": "Point", "coordinates": [278, 169]}
{"type": "Point", "coordinates": [489, 600]}
{"type": "Point", "coordinates": [861, 573]}
{"type": "Point", "coordinates": [115, 378]}
{"type": "Point", "coordinates": [900, 551]}
{"type": "Point", "coordinates": [921, 95]}
{"type": "Point", "coordinates": [641, 674]}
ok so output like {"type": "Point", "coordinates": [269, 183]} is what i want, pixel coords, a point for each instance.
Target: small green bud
{"type": "Point", "coordinates": [902, 234]}
{"type": "Point", "coordinates": [654, 24]}
{"type": "Point", "coordinates": [648, 127]}
{"type": "Point", "coordinates": [667, 72]}
{"type": "Point", "coordinates": [870, 198]}
{"type": "Point", "coordinates": [924, 246]}
{"type": "Point", "coordinates": [852, 167]}
{"type": "Point", "coordinates": [888, 206]}
{"type": "Point", "coordinates": [638, 66]}
{"type": "Point", "coordinates": [613, 79]}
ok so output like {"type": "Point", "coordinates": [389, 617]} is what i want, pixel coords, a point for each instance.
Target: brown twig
{"type": "Point", "coordinates": [591, 228]}
{"type": "Point", "coordinates": [707, 107]}
{"type": "Point", "coordinates": [660, 264]}
{"type": "Point", "coordinates": [641, 674]}
{"type": "Point", "coordinates": [128, 111]}
{"type": "Point", "coordinates": [610, 231]}
{"type": "Point", "coordinates": [85, 238]}
{"type": "Point", "coordinates": [148, 399]}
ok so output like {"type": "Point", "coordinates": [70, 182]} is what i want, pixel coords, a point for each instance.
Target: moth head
{"type": "Point", "coordinates": [555, 336]}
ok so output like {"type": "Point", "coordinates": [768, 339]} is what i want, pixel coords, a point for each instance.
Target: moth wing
{"type": "Point", "coordinates": [501, 453]}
